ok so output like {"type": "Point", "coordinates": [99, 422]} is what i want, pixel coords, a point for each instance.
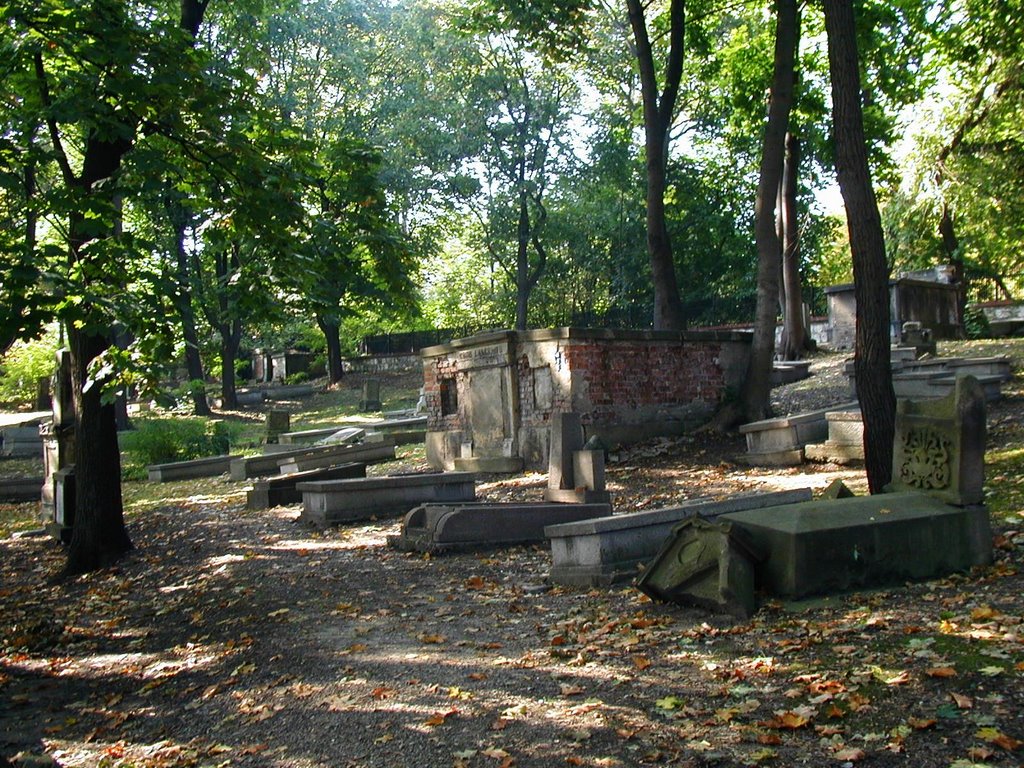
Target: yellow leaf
{"type": "Point", "coordinates": [984, 613]}
{"type": "Point", "coordinates": [1000, 739]}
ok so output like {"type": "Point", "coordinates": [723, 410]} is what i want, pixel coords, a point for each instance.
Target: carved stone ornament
{"type": "Point", "coordinates": [926, 459]}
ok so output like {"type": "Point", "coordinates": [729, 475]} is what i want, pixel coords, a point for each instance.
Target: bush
{"type": "Point", "coordinates": [976, 324]}
{"type": "Point", "coordinates": [161, 440]}
{"type": "Point", "coordinates": [23, 365]}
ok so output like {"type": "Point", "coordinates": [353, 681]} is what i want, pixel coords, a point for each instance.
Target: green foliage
{"type": "Point", "coordinates": [976, 324]}
{"type": "Point", "coordinates": [23, 364]}
{"type": "Point", "coordinates": [158, 440]}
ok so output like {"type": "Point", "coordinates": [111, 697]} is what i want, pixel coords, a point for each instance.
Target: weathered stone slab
{"type": "Point", "coordinates": [779, 442]}
{"type": "Point", "coordinates": [916, 384]}
{"type": "Point", "coordinates": [308, 435]}
{"type": "Point", "coordinates": [606, 550]}
{"type": "Point", "coordinates": [281, 490]}
{"type": "Point", "coordinates": [370, 453]}
{"type": "Point", "coordinates": [14, 490]}
{"type": "Point", "coordinates": [942, 386]}
{"type": "Point", "coordinates": [786, 372]}
{"type": "Point", "coordinates": [21, 441]}
{"type": "Point", "coordinates": [188, 470]}
{"type": "Point", "coordinates": [822, 546]}
{"type": "Point", "coordinates": [331, 502]}
{"type": "Point", "coordinates": [278, 422]}
{"type": "Point", "coordinates": [496, 465]}
{"type": "Point", "coordinates": [565, 438]}
{"type": "Point", "coordinates": [939, 446]}
{"type": "Point", "coordinates": [344, 436]}
{"type": "Point", "coordinates": [288, 391]}
{"type": "Point", "coordinates": [371, 396]}
{"type": "Point", "coordinates": [845, 444]}
{"type": "Point", "coordinates": [983, 366]}
{"type": "Point", "coordinates": [710, 565]}
{"type": "Point", "coordinates": [470, 527]}
{"type": "Point", "coordinates": [261, 466]}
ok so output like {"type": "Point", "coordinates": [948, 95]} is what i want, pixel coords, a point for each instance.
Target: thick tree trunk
{"type": "Point", "coordinates": [99, 536]}
{"type": "Point", "coordinates": [757, 384]}
{"type": "Point", "coordinates": [658, 116]}
{"type": "Point", "coordinates": [331, 330]}
{"type": "Point", "coordinates": [794, 334]}
{"type": "Point", "coordinates": [872, 368]}
{"type": "Point", "coordinates": [186, 315]}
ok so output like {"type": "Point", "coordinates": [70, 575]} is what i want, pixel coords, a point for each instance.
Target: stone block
{"type": "Point", "coordinates": [845, 444]}
{"type": "Point", "coordinates": [706, 564]}
{"type": "Point", "coordinates": [472, 527]}
{"type": "Point", "coordinates": [998, 366]}
{"type": "Point", "coordinates": [308, 435]}
{"type": "Point", "coordinates": [588, 470]}
{"type": "Point", "coordinates": [278, 422]}
{"type": "Point", "coordinates": [330, 502]}
{"type": "Point", "coordinates": [60, 527]}
{"type": "Point", "coordinates": [939, 445]}
{"type": "Point", "coordinates": [494, 465]}
{"type": "Point", "coordinates": [371, 396]}
{"type": "Point", "coordinates": [822, 546]}
{"type": "Point", "coordinates": [22, 441]}
{"type": "Point", "coordinates": [188, 470]}
{"type": "Point", "coordinates": [780, 442]}
{"type": "Point", "coordinates": [14, 490]}
{"type": "Point", "coordinates": [343, 436]}
{"type": "Point", "coordinates": [282, 490]}
{"type": "Point", "coordinates": [566, 438]}
{"type": "Point", "coordinates": [606, 550]}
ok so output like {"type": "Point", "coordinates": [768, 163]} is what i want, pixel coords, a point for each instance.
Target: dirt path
{"type": "Point", "coordinates": [239, 638]}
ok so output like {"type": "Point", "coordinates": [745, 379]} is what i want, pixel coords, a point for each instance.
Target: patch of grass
{"type": "Point", "coordinates": [18, 517]}
{"type": "Point", "coordinates": [1004, 481]}
{"type": "Point", "coordinates": [969, 656]}
{"type": "Point", "coordinates": [164, 439]}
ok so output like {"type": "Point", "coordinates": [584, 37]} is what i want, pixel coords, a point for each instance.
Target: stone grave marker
{"type": "Point", "coordinates": [371, 396]}
{"type": "Point", "coordinates": [939, 446]}
{"type": "Point", "coordinates": [278, 422]}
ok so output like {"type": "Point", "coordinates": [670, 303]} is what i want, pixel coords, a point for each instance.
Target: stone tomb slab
{"type": "Point", "coordinates": [710, 565]}
{"type": "Point", "coordinates": [335, 454]}
{"type": "Point", "coordinates": [282, 490]}
{"type": "Point", "coordinates": [845, 444]}
{"type": "Point", "coordinates": [607, 550]}
{"type": "Point", "coordinates": [837, 544]}
{"type": "Point", "coordinates": [781, 442]}
{"type": "Point", "coordinates": [188, 470]}
{"type": "Point", "coordinates": [331, 502]}
{"type": "Point", "coordinates": [473, 527]}
{"type": "Point", "coordinates": [271, 464]}
{"type": "Point", "coordinates": [18, 489]}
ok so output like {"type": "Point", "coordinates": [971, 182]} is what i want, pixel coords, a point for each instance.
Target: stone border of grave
{"type": "Point", "coordinates": [781, 442]}
{"type": "Point", "coordinates": [306, 457]}
{"type": "Point", "coordinates": [283, 490]}
{"type": "Point", "coordinates": [211, 466]}
{"type": "Point", "coordinates": [14, 490]}
{"type": "Point", "coordinates": [439, 528]}
{"type": "Point", "coordinates": [606, 550]}
{"type": "Point", "coordinates": [331, 502]}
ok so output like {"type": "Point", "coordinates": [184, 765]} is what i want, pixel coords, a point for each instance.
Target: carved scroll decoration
{"type": "Point", "coordinates": [926, 459]}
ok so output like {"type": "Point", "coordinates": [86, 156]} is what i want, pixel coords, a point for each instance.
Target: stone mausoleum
{"type": "Point", "coordinates": [490, 398]}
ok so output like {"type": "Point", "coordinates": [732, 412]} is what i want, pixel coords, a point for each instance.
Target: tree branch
{"type": "Point", "coordinates": [58, 147]}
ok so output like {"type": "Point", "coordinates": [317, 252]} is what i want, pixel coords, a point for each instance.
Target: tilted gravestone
{"type": "Point", "coordinates": [939, 446]}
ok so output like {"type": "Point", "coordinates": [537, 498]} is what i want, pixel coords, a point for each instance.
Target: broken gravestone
{"type": "Point", "coordinates": [710, 565]}
{"type": "Point", "coordinates": [575, 469]}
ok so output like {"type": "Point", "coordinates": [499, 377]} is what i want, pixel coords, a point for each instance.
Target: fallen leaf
{"type": "Point", "coordinates": [963, 702]}
{"type": "Point", "coordinates": [1000, 739]}
{"type": "Point", "coordinates": [572, 690]}
{"type": "Point", "coordinates": [921, 724]}
{"type": "Point", "coordinates": [984, 613]}
{"type": "Point", "coordinates": [439, 718]}
{"type": "Point", "coordinates": [940, 672]}
{"type": "Point", "coordinates": [432, 639]}
{"type": "Point", "coordinates": [850, 754]}
{"type": "Point", "coordinates": [641, 662]}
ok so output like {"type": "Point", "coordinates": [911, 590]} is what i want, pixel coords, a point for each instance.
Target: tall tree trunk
{"type": "Point", "coordinates": [757, 384]}
{"type": "Point", "coordinates": [331, 329]}
{"type": "Point", "coordinates": [99, 536]}
{"type": "Point", "coordinates": [872, 369]}
{"type": "Point", "coordinates": [186, 315]}
{"type": "Point", "coordinates": [659, 112]}
{"type": "Point", "coordinates": [523, 283]}
{"type": "Point", "coordinates": [230, 339]}
{"type": "Point", "coordinates": [794, 333]}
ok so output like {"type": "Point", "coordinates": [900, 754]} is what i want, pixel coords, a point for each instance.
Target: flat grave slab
{"type": "Point", "coordinates": [781, 442]}
{"type": "Point", "coordinates": [15, 490]}
{"type": "Point", "coordinates": [188, 470]}
{"type": "Point", "coordinates": [607, 550]}
{"type": "Point", "coordinates": [472, 527]}
{"type": "Point", "coordinates": [837, 544]}
{"type": "Point", "coordinates": [260, 466]}
{"type": "Point", "coordinates": [369, 453]}
{"type": "Point", "coordinates": [282, 490]}
{"type": "Point", "coordinates": [21, 441]}
{"type": "Point", "coordinates": [330, 502]}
